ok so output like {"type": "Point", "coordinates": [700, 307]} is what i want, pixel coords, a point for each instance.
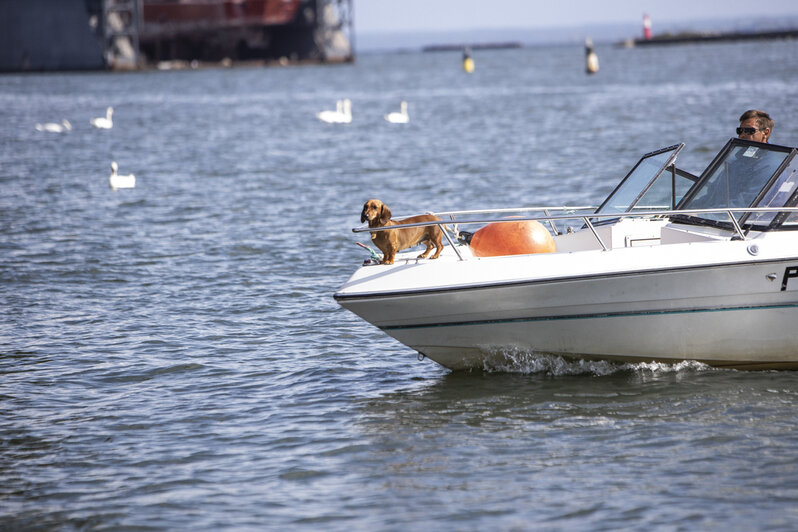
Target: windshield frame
{"type": "Point", "coordinates": [765, 189]}
{"type": "Point", "coordinates": [669, 164]}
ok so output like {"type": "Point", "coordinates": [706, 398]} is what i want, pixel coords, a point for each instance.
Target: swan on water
{"type": "Point", "coordinates": [53, 127]}
{"type": "Point", "coordinates": [120, 181]}
{"type": "Point", "coordinates": [399, 118]}
{"type": "Point", "coordinates": [105, 122]}
{"type": "Point", "coordinates": [341, 115]}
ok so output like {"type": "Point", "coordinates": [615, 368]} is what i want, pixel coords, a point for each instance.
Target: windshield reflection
{"type": "Point", "coordinates": [638, 183]}
{"type": "Point", "coordinates": [736, 180]}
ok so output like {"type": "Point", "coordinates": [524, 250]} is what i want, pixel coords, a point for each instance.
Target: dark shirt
{"type": "Point", "coordinates": [738, 179]}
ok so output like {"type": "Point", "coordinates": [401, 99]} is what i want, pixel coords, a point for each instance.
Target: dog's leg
{"type": "Point", "coordinates": [438, 241]}
{"type": "Point", "coordinates": [428, 244]}
{"type": "Point", "coordinates": [388, 255]}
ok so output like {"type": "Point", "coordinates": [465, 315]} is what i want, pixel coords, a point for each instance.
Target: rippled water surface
{"type": "Point", "coordinates": [171, 356]}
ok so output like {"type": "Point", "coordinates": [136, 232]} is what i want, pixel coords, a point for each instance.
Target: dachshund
{"type": "Point", "coordinates": [390, 242]}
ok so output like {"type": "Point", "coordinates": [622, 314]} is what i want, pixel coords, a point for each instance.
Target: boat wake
{"type": "Point", "coordinates": [505, 360]}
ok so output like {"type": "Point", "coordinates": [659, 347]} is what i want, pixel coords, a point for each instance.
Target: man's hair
{"type": "Point", "coordinates": [763, 120]}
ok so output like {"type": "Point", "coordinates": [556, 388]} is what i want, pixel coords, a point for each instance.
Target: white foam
{"type": "Point", "coordinates": [525, 362]}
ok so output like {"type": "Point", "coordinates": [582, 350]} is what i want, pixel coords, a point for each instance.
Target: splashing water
{"type": "Point", "coordinates": [515, 360]}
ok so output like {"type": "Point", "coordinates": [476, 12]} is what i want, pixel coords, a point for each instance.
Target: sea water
{"type": "Point", "coordinates": [171, 356]}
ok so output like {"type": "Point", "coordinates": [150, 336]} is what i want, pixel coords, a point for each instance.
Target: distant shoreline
{"type": "Point", "coordinates": [475, 46]}
{"type": "Point", "coordinates": [612, 33]}
{"type": "Point", "coordinates": [714, 37]}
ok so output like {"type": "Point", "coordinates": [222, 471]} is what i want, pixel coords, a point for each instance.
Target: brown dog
{"type": "Point", "coordinates": [391, 242]}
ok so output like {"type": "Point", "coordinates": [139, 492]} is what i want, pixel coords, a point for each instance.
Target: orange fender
{"type": "Point", "coordinates": [512, 238]}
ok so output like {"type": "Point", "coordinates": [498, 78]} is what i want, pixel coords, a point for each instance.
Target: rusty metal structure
{"type": "Point", "coordinates": [130, 34]}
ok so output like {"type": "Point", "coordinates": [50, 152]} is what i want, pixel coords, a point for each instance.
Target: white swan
{"type": "Point", "coordinates": [105, 122]}
{"type": "Point", "coordinates": [52, 127]}
{"type": "Point", "coordinates": [341, 115]}
{"type": "Point", "coordinates": [331, 116]}
{"type": "Point", "coordinates": [120, 181]}
{"type": "Point", "coordinates": [399, 118]}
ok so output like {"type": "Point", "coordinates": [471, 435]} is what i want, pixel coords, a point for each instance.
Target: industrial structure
{"type": "Point", "coordinates": [47, 35]}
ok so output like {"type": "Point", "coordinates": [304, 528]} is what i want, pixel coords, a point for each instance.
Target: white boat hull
{"type": "Point", "coordinates": [728, 310]}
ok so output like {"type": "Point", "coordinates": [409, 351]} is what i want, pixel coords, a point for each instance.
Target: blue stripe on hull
{"type": "Point", "coordinates": [585, 316]}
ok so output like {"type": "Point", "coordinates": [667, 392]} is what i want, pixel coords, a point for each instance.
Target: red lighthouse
{"type": "Point", "coordinates": [646, 27]}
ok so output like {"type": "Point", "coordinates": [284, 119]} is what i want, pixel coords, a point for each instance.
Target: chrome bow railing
{"type": "Point", "coordinates": [571, 213]}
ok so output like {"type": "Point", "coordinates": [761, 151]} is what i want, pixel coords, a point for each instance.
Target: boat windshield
{"type": "Point", "coordinates": [653, 184]}
{"type": "Point", "coordinates": [745, 174]}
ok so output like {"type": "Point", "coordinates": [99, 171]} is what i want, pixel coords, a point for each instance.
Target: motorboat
{"type": "Point", "coordinates": [670, 267]}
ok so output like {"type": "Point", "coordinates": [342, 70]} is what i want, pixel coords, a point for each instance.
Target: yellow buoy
{"type": "Point", "coordinates": [591, 59]}
{"type": "Point", "coordinates": [468, 65]}
{"type": "Point", "coordinates": [468, 61]}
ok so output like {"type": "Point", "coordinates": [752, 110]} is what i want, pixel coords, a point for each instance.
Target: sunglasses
{"type": "Point", "coordinates": [747, 130]}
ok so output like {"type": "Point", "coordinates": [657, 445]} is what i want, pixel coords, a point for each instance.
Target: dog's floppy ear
{"type": "Point", "coordinates": [385, 214]}
{"type": "Point", "coordinates": [363, 212]}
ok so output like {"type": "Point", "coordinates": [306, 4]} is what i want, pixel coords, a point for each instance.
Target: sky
{"type": "Point", "coordinates": [380, 16]}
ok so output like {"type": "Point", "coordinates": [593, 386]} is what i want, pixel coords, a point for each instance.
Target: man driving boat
{"type": "Point", "coordinates": [742, 175]}
{"type": "Point", "coordinates": [755, 125]}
